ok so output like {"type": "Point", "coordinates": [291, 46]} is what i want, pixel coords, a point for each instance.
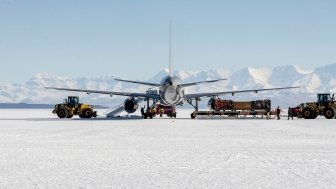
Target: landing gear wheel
{"type": "Point", "coordinates": [315, 116]}
{"type": "Point", "coordinates": [62, 113]}
{"type": "Point", "coordinates": [193, 116]}
{"type": "Point", "coordinates": [329, 113]}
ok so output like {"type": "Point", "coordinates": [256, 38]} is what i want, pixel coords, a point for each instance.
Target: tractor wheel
{"type": "Point", "coordinates": [315, 116]}
{"type": "Point", "coordinates": [87, 113]}
{"type": "Point", "coordinates": [62, 113]}
{"type": "Point", "coordinates": [329, 113]}
{"type": "Point", "coordinates": [308, 113]}
{"type": "Point", "coordinates": [69, 116]}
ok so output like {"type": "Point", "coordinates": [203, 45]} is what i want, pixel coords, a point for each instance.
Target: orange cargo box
{"type": "Point", "coordinates": [242, 105]}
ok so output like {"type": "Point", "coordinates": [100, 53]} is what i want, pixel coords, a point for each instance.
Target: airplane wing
{"type": "Point", "coordinates": [153, 96]}
{"type": "Point", "coordinates": [139, 82]}
{"type": "Point", "coordinates": [198, 95]}
{"type": "Point", "coordinates": [200, 82]}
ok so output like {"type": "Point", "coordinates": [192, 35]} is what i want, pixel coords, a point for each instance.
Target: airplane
{"type": "Point", "coordinates": [171, 91]}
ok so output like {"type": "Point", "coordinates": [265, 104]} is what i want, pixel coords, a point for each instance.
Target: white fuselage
{"type": "Point", "coordinates": [170, 91]}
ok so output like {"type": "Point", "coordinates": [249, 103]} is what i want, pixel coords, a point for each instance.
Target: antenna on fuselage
{"type": "Point", "coordinates": [170, 50]}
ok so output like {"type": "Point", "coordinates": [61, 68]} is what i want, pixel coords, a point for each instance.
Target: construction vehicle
{"type": "Point", "coordinates": [71, 107]}
{"type": "Point", "coordinates": [324, 106]}
{"type": "Point", "coordinates": [164, 109]}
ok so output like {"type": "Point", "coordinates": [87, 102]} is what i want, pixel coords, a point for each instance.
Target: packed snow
{"type": "Point", "coordinates": [38, 150]}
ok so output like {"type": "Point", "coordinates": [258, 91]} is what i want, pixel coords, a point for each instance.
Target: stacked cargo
{"type": "Point", "coordinates": [219, 104]}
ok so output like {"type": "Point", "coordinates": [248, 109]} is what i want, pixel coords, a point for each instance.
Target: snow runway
{"type": "Point", "coordinates": [38, 150]}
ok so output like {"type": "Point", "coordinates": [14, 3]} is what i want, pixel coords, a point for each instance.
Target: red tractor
{"type": "Point", "coordinates": [160, 109]}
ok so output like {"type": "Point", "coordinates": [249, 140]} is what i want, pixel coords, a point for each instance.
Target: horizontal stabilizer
{"type": "Point", "coordinates": [139, 82]}
{"type": "Point", "coordinates": [200, 82]}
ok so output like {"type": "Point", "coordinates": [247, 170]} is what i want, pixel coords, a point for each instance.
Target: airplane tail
{"type": "Point", "coordinates": [170, 51]}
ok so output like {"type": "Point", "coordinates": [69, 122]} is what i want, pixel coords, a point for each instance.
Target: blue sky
{"type": "Point", "coordinates": [129, 38]}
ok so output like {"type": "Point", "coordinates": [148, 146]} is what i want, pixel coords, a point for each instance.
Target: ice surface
{"type": "Point", "coordinates": [38, 150]}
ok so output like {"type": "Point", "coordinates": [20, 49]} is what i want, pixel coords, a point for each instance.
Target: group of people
{"type": "Point", "coordinates": [290, 113]}
{"type": "Point", "coordinates": [151, 111]}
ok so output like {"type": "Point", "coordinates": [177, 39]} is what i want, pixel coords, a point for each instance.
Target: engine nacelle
{"type": "Point", "coordinates": [217, 104]}
{"type": "Point", "coordinates": [130, 105]}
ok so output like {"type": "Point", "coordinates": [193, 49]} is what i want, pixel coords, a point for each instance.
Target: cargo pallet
{"type": "Point", "coordinates": [260, 114]}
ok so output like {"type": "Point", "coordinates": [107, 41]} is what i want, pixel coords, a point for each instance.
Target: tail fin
{"type": "Point", "coordinates": [170, 51]}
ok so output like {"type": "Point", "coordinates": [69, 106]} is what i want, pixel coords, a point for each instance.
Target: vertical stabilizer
{"type": "Point", "coordinates": [170, 50]}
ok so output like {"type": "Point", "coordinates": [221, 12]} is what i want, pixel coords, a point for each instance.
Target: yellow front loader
{"type": "Point", "coordinates": [71, 107]}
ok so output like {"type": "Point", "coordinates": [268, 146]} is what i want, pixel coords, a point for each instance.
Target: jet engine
{"type": "Point", "coordinates": [130, 105]}
{"type": "Point", "coordinates": [218, 104]}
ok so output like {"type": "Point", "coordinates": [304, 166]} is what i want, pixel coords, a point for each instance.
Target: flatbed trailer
{"type": "Point", "coordinates": [262, 114]}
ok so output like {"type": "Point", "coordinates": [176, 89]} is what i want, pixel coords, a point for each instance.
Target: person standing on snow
{"type": "Point", "coordinates": [161, 111]}
{"type": "Point", "coordinates": [142, 112]}
{"type": "Point", "coordinates": [290, 113]}
{"type": "Point", "coordinates": [278, 111]}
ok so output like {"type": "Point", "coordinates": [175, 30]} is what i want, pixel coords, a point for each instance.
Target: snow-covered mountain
{"type": "Point", "coordinates": [322, 79]}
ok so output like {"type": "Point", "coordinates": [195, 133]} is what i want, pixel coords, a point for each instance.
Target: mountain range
{"type": "Point", "coordinates": [320, 80]}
